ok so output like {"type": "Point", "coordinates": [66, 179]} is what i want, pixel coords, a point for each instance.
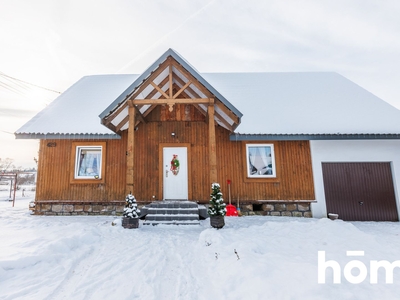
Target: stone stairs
{"type": "Point", "coordinates": [173, 212]}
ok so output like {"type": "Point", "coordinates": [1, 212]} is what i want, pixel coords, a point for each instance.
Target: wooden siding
{"type": "Point", "coordinates": [55, 168]}
{"type": "Point", "coordinates": [293, 164]}
{"type": "Point", "coordinates": [294, 179]}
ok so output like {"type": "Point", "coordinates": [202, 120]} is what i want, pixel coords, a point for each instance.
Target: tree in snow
{"type": "Point", "coordinates": [131, 210]}
{"type": "Point", "coordinates": [217, 205]}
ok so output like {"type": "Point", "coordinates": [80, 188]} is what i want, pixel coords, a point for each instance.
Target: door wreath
{"type": "Point", "coordinates": [175, 164]}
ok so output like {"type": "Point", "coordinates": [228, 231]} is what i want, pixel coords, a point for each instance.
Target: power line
{"type": "Point", "coordinates": [25, 82]}
{"type": "Point", "coordinates": [11, 88]}
{"type": "Point", "coordinates": [7, 132]}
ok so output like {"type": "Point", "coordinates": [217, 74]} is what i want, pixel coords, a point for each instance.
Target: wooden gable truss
{"type": "Point", "coordinates": [168, 85]}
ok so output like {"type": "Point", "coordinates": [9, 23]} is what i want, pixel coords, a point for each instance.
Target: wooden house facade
{"type": "Point", "coordinates": [167, 134]}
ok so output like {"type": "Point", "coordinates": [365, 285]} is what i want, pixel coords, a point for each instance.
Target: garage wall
{"type": "Point", "coordinates": [351, 151]}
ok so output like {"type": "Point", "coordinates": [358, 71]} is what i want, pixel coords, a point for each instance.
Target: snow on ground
{"type": "Point", "coordinates": [86, 257]}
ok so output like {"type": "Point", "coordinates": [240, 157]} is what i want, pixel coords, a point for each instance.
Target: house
{"type": "Point", "coordinates": [292, 144]}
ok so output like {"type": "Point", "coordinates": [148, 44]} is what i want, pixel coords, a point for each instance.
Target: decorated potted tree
{"type": "Point", "coordinates": [217, 209]}
{"type": "Point", "coordinates": [131, 213]}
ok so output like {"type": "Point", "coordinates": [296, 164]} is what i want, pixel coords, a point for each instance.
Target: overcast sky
{"type": "Point", "coordinates": [53, 44]}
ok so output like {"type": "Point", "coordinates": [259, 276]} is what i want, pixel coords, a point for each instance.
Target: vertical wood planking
{"type": "Point", "coordinates": [294, 174]}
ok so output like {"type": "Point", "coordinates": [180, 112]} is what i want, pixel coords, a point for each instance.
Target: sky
{"type": "Point", "coordinates": [52, 44]}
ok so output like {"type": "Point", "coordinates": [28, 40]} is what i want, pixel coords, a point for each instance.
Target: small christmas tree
{"type": "Point", "coordinates": [131, 210]}
{"type": "Point", "coordinates": [217, 205]}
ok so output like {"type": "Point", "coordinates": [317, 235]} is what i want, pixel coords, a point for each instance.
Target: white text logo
{"type": "Point", "coordinates": [374, 266]}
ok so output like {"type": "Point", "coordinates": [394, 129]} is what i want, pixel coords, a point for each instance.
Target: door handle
{"type": "Point", "coordinates": [166, 173]}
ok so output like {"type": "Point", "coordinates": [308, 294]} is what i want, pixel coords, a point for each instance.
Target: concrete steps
{"type": "Point", "coordinates": [173, 212]}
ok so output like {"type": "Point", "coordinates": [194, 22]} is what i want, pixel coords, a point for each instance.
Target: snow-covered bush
{"type": "Point", "coordinates": [131, 210]}
{"type": "Point", "coordinates": [217, 205]}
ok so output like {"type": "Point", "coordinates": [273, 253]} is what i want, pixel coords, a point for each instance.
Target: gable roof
{"type": "Point", "coordinates": [312, 105]}
{"type": "Point", "coordinates": [170, 79]}
{"type": "Point", "coordinates": [154, 66]}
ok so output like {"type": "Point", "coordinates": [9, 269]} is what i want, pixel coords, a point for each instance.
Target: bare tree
{"type": "Point", "coordinates": [6, 165]}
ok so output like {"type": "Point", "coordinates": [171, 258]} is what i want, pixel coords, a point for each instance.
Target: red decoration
{"type": "Point", "coordinates": [231, 211]}
{"type": "Point", "coordinates": [175, 164]}
{"type": "Point", "coordinates": [228, 181]}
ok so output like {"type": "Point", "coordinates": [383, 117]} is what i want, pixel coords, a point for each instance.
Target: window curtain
{"type": "Point", "coordinates": [265, 155]}
{"type": "Point", "coordinates": [252, 157]}
{"type": "Point", "coordinates": [90, 163]}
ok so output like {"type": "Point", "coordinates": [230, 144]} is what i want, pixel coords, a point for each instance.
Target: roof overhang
{"type": "Point", "coordinates": [68, 136]}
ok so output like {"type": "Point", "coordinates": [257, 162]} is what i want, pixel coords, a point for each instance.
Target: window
{"type": "Point", "coordinates": [88, 163]}
{"type": "Point", "coordinates": [260, 161]}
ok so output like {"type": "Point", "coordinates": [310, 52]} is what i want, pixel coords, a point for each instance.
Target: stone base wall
{"type": "Point", "coordinates": [288, 209]}
{"type": "Point", "coordinates": [82, 208]}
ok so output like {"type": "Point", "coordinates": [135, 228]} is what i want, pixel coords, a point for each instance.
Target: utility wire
{"type": "Point", "coordinates": [6, 132]}
{"type": "Point", "coordinates": [11, 88]}
{"type": "Point", "coordinates": [16, 83]}
{"type": "Point", "coordinates": [35, 85]}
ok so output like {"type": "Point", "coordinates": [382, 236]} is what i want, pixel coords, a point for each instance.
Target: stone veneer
{"type": "Point", "coordinates": [116, 208]}
{"type": "Point", "coordinates": [289, 209]}
{"type": "Point", "coordinates": [79, 208]}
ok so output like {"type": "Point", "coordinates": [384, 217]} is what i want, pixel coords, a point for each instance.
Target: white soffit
{"type": "Point", "coordinates": [120, 116]}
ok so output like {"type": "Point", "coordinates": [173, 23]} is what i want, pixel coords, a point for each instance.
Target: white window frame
{"type": "Point", "coordinates": [79, 150]}
{"type": "Point", "coordinates": [248, 163]}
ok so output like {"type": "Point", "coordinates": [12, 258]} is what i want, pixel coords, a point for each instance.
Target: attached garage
{"type": "Point", "coordinates": [356, 179]}
{"type": "Point", "coordinates": [360, 191]}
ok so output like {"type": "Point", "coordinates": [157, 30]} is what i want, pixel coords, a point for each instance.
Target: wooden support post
{"type": "Point", "coordinates": [130, 162]}
{"type": "Point", "coordinates": [170, 82]}
{"type": "Point", "coordinates": [212, 151]}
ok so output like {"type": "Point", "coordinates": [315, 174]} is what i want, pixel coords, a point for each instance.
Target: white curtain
{"type": "Point", "coordinates": [265, 155]}
{"type": "Point", "coordinates": [98, 163]}
{"type": "Point", "coordinates": [90, 164]}
{"type": "Point", "coordinates": [252, 156]}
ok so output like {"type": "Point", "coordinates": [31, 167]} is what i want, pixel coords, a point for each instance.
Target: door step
{"type": "Point", "coordinates": [172, 212]}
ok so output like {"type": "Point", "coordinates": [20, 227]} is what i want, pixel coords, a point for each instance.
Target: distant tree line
{"type": "Point", "coordinates": [7, 167]}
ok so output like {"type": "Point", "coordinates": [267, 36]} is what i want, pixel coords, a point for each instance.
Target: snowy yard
{"type": "Point", "coordinates": [88, 258]}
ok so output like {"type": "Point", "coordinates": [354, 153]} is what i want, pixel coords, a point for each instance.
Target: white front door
{"type": "Point", "coordinates": [175, 173]}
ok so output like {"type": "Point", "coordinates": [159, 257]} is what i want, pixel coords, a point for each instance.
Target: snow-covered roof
{"type": "Point", "coordinates": [314, 105]}
{"type": "Point", "coordinates": [305, 104]}
{"type": "Point", "coordinates": [75, 113]}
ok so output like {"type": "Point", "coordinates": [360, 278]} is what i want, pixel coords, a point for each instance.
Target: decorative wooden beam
{"type": "Point", "coordinates": [130, 154]}
{"type": "Point", "coordinates": [189, 89]}
{"type": "Point", "coordinates": [110, 118]}
{"type": "Point", "coordinates": [122, 123]}
{"type": "Point", "coordinates": [159, 89]}
{"type": "Point", "coordinates": [219, 104]}
{"type": "Point", "coordinates": [212, 151]}
{"type": "Point", "coordinates": [149, 79]}
{"type": "Point", "coordinates": [154, 91]}
{"type": "Point", "coordinates": [139, 114]}
{"type": "Point", "coordinates": [182, 89]}
{"type": "Point", "coordinates": [202, 111]}
{"type": "Point", "coordinates": [112, 127]}
{"type": "Point", "coordinates": [192, 78]}
{"type": "Point", "coordinates": [171, 101]}
{"type": "Point", "coordinates": [170, 81]}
